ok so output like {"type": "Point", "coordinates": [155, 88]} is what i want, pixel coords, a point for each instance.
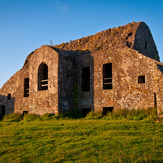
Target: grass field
{"type": "Point", "coordinates": [81, 140]}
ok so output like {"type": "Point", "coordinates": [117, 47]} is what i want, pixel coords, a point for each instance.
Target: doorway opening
{"type": "Point", "coordinates": [107, 110]}
{"type": "Point", "coordinates": [2, 111]}
{"type": "Point", "coordinates": [85, 111]}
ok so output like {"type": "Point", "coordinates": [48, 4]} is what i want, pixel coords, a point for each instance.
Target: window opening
{"type": "Point", "coordinates": [86, 79]}
{"type": "Point", "coordinates": [85, 111]}
{"type": "Point", "coordinates": [107, 109]}
{"type": "Point", "coordinates": [107, 76]}
{"type": "Point", "coordinates": [2, 111]}
{"type": "Point", "coordinates": [145, 45]}
{"type": "Point", "coordinates": [9, 96]}
{"type": "Point", "coordinates": [141, 79]}
{"type": "Point", "coordinates": [155, 100]}
{"type": "Point", "coordinates": [26, 87]}
{"type": "Point", "coordinates": [43, 77]}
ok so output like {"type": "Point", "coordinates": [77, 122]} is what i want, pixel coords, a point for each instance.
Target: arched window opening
{"type": "Point", "coordinates": [43, 77]}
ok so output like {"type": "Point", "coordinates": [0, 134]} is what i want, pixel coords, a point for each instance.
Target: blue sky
{"type": "Point", "coordinates": [25, 25]}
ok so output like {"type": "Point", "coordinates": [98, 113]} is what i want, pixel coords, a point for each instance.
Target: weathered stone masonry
{"type": "Point", "coordinates": [116, 68]}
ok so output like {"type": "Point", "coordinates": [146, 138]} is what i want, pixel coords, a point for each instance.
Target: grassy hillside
{"type": "Point", "coordinates": [81, 140]}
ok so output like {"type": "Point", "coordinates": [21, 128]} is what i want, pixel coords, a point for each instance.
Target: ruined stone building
{"type": "Point", "coordinates": [115, 68]}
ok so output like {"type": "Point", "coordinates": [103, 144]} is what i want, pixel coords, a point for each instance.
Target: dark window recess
{"type": "Point", "coordinates": [26, 87]}
{"type": "Point", "coordinates": [107, 76]}
{"type": "Point", "coordinates": [155, 100]}
{"type": "Point", "coordinates": [68, 75]}
{"type": "Point", "coordinates": [145, 45]}
{"type": "Point", "coordinates": [9, 96]}
{"type": "Point", "coordinates": [2, 111]}
{"type": "Point", "coordinates": [25, 112]}
{"type": "Point", "coordinates": [128, 44]}
{"type": "Point", "coordinates": [107, 109]}
{"type": "Point", "coordinates": [129, 35]}
{"type": "Point", "coordinates": [43, 77]}
{"type": "Point", "coordinates": [86, 79]}
{"type": "Point", "coordinates": [141, 79]}
{"type": "Point", "coordinates": [85, 111]}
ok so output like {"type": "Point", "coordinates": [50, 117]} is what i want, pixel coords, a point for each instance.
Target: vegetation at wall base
{"type": "Point", "coordinates": [15, 117]}
{"type": "Point", "coordinates": [94, 115]}
{"type": "Point", "coordinates": [120, 114]}
{"type": "Point", "coordinates": [134, 114]}
{"type": "Point", "coordinates": [31, 117]}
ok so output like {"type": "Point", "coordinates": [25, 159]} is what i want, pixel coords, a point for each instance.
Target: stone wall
{"type": "Point", "coordinates": [158, 81]}
{"type": "Point", "coordinates": [65, 84]}
{"type": "Point", "coordinates": [126, 91]}
{"type": "Point", "coordinates": [85, 98]}
{"type": "Point", "coordinates": [57, 97]}
{"type": "Point", "coordinates": [15, 87]}
{"type": "Point", "coordinates": [129, 49]}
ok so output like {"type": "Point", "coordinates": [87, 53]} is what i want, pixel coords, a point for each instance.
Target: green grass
{"type": "Point", "coordinates": [81, 140]}
{"type": "Point", "coordinates": [15, 117]}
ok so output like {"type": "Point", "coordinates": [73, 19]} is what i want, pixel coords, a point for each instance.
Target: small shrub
{"type": "Point", "coordinates": [73, 114]}
{"type": "Point", "coordinates": [15, 117]}
{"type": "Point", "coordinates": [117, 114]}
{"type": "Point", "coordinates": [94, 115]}
{"type": "Point", "coordinates": [139, 114]}
{"type": "Point", "coordinates": [47, 116]}
{"type": "Point", "coordinates": [58, 116]}
{"type": "Point", "coordinates": [31, 117]}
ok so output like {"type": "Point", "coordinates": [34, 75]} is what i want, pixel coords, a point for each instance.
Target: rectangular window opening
{"type": "Point", "coordinates": [9, 96]}
{"type": "Point", "coordinates": [141, 79]}
{"type": "Point", "coordinates": [107, 76]}
{"type": "Point", "coordinates": [85, 111]}
{"type": "Point", "coordinates": [86, 79]}
{"type": "Point", "coordinates": [145, 45]}
{"type": "Point", "coordinates": [26, 87]}
{"type": "Point", "coordinates": [107, 110]}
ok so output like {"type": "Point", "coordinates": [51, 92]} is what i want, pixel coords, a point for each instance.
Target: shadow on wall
{"type": "Point", "coordinates": [85, 77]}
{"type": "Point", "coordinates": [160, 67]}
{"type": "Point", "coordinates": [75, 80]}
{"type": "Point", "coordinates": [7, 105]}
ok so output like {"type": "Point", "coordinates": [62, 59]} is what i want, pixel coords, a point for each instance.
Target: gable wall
{"type": "Point", "coordinates": [43, 101]}
{"type": "Point", "coordinates": [144, 42]}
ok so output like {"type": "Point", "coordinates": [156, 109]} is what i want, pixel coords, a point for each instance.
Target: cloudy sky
{"type": "Point", "coordinates": [25, 25]}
